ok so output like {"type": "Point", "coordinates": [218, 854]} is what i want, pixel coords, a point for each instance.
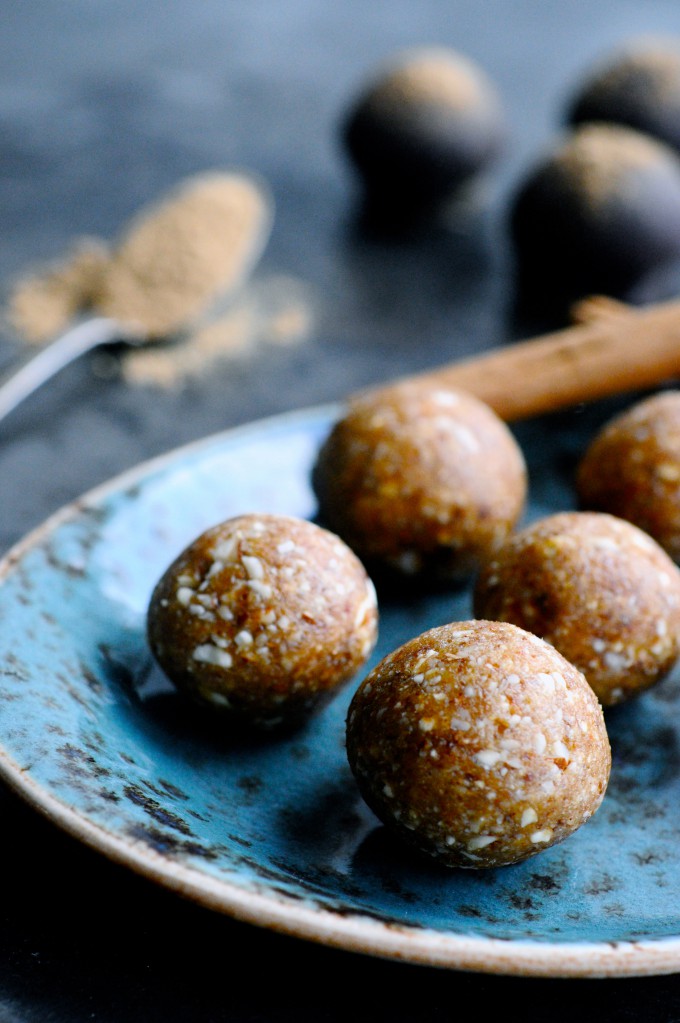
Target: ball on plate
{"type": "Point", "coordinates": [478, 743]}
{"type": "Point", "coordinates": [631, 469]}
{"type": "Point", "coordinates": [598, 212]}
{"type": "Point", "coordinates": [421, 480]}
{"type": "Point", "coordinates": [428, 122]}
{"type": "Point", "coordinates": [599, 589]}
{"type": "Point", "coordinates": [263, 617]}
{"type": "Point", "coordinates": [638, 85]}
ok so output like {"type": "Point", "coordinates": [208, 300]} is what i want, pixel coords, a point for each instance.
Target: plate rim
{"type": "Point", "coordinates": [355, 932]}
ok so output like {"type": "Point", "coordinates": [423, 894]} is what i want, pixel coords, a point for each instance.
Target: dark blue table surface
{"type": "Point", "coordinates": [102, 107]}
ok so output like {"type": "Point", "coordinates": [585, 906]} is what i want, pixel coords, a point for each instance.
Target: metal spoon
{"type": "Point", "coordinates": [29, 373]}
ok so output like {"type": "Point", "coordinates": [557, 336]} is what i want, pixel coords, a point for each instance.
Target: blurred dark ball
{"type": "Point", "coordinates": [428, 123]}
{"type": "Point", "coordinates": [596, 214]}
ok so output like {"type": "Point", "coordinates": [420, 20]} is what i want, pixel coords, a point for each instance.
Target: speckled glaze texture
{"type": "Point", "coordinates": [274, 831]}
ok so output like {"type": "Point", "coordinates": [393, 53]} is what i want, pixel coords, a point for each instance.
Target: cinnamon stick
{"type": "Point", "coordinates": [624, 349]}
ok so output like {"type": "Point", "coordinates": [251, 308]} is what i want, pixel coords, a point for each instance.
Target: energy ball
{"type": "Point", "coordinates": [599, 589]}
{"type": "Point", "coordinates": [262, 618]}
{"type": "Point", "coordinates": [596, 214]}
{"type": "Point", "coordinates": [430, 121]}
{"type": "Point", "coordinates": [638, 86]}
{"type": "Point", "coordinates": [632, 469]}
{"type": "Point", "coordinates": [421, 481]}
{"type": "Point", "coordinates": [478, 743]}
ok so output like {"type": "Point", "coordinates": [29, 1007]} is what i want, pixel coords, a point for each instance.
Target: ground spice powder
{"type": "Point", "coordinates": [176, 260]}
{"type": "Point", "coordinates": [182, 265]}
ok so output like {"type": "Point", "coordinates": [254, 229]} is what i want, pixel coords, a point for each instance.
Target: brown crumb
{"type": "Point", "coordinates": [182, 270]}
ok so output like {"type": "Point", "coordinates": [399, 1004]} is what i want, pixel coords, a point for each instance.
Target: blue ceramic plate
{"type": "Point", "coordinates": [274, 832]}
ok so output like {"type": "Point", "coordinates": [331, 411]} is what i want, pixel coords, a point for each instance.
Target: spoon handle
{"type": "Point", "coordinates": [37, 367]}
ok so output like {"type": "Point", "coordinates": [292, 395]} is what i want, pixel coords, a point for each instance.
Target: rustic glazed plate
{"type": "Point", "coordinates": [274, 832]}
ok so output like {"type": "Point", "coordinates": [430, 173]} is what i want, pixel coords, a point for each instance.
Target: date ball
{"type": "Point", "coordinates": [421, 481]}
{"type": "Point", "coordinates": [632, 469]}
{"type": "Point", "coordinates": [638, 86]}
{"type": "Point", "coordinates": [596, 214]}
{"type": "Point", "coordinates": [263, 617]}
{"type": "Point", "coordinates": [599, 589]}
{"type": "Point", "coordinates": [478, 743]}
{"type": "Point", "coordinates": [430, 121]}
